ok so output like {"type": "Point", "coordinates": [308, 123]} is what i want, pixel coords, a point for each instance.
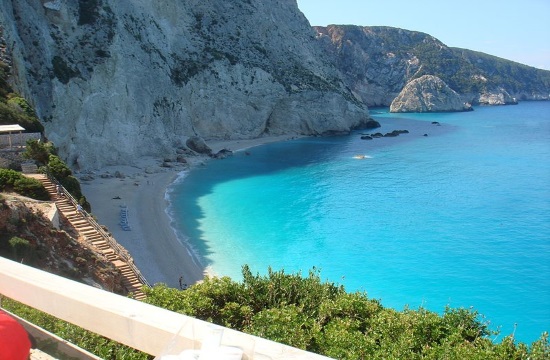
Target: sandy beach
{"type": "Point", "coordinates": [158, 253]}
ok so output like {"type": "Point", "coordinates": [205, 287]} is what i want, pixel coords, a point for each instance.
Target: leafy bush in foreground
{"type": "Point", "coordinates": [321, 317]}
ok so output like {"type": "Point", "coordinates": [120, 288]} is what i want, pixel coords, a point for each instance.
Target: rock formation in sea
{"type": "Point", "coordinates": [378, 61]}
{"type": "Point", "coordinates": [428, 93]}
{"type": "Point", "coordinates": [115, 80]}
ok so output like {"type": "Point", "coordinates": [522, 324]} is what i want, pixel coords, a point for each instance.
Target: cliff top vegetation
{"type": "Point", "coordinates": [14, 109]}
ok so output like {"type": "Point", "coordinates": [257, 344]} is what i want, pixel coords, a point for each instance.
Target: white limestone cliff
{"type": "Point", "coordinates": [115, 80]}
{"type": "Point", "coordinates": [428, 94]}
{"type": "Point", "coordinates": [496, 97]}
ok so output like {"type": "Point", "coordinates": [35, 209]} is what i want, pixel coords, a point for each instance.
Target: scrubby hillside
{"type": "Point", "coordinates": [27, 236]}
{"type": "Point", "coordinates": [378, 61]}
{"type": "Point", "coordinates": [14, 109]}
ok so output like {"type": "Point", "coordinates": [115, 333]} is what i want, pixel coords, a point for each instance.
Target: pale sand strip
{"type": "Point", "coordinates": [156, 250]}
{"type": "Point", "coordinates": [238, 145]}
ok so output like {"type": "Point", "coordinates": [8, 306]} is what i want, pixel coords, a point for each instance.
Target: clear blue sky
{"type": "Point", "coordinates": [514, 30]}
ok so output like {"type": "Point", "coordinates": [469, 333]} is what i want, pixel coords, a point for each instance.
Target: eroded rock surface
{"type": "Point", "coordinates": [428, 94]}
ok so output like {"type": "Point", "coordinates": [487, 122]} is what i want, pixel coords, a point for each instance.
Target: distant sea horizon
{"type": "Point", "coordinates": [454, 213]}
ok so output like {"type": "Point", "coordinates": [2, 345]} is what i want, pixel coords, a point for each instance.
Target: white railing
{"type": "Point", "coordinates": [139, 325]}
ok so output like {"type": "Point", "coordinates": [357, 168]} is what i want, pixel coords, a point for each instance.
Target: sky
{"type": "Point", "coordinates": [513, 30]}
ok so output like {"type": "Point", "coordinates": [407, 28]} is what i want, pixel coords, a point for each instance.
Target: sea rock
{"type": "Point", "coordinates": [372, 124]}
{"type": "Point", "coordinates": [222, 154]}
{"type": "Point", "coordinates": [427, 94]}
{"type": "Point", "coordinates": [198, 145]}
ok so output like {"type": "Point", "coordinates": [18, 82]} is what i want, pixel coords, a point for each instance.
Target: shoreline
{"type": "Point", "coordinates": [158, 252]}
{"type": "Point", "coordinates": [144, 188]}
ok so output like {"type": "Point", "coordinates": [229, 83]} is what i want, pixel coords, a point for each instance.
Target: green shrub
{"type": "Point", "coordinates": [321, 317]}
{"type": "Point", "coordinates": [13, 108]}
{"type": "Point", "coordinates": [58, 168]}
{"type": "Point", "coordinates": [21, 103]}
{"type": "Point", "coordinates": [31, 188]}
{"type": "Point", "coordinates": [72, 185]}
{"type": "Point", "coordinates": [287, 324]}
{"type": "Point", "coordinates": [8, 178]}
{"type": "Point", "coordinates": [11, 180]}
{"type": "Point", "coordinates": [20, 247]}
{"type": "Point", "coordinates": [12, 113]}
{"type": "Point", "coordinates": [38, 151]}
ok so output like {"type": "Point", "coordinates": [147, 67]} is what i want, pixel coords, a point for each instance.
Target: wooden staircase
{"type": "Point", "coordinates": [93, 235]}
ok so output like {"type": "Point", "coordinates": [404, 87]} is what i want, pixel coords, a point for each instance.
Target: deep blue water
{"type": "Point", "coordinates": [460, 217]}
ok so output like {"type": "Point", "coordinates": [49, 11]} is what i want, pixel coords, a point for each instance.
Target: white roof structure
{"type": "Point", "coordinates": [11, 128]}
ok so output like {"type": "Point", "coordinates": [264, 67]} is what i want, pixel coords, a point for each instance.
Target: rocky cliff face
{"type": "Point", "coordinates": [428, 93]}
{"type": "Point", "coordinates": [114, 80]}
{"type": "Point", "coordinates": [378, 62]}
{"type": "Point", "coordinates": [50, 249]}
{"type": "Point", "coordinates": [373, 70]}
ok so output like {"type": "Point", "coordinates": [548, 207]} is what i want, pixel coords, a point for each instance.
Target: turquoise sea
{"type": "Point", "coordinates": [460, 217]}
